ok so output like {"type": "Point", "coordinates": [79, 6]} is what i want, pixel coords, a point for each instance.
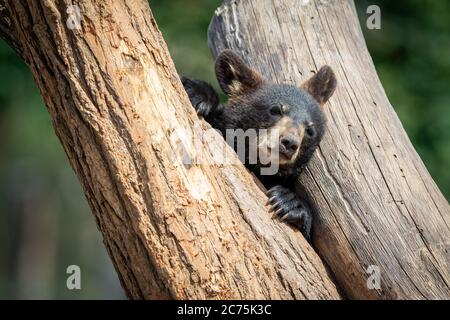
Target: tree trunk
{"type": "Point", "coordinates": [377, 204]}
{"type": "Point", "coordinates": [173, 230]}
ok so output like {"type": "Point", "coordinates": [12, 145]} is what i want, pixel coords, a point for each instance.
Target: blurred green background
{"type": "Point", "coordinates": [45, 223]}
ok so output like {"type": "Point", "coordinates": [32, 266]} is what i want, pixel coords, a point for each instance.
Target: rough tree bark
{"type": "Point", "coordinates": [116, 104]}
{"type": "Point", "coordinates": [377, 204]}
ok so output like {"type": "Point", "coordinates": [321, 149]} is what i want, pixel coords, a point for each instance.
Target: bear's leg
{"type": "Point", "coordinates": [202, 96]}
{"type": "Point", "coordinates": [288, 207]}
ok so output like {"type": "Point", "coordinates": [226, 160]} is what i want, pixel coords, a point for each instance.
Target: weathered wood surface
{"type": "Point", "coordinates": [119, 110]}
{"type": "Point", "coordinates": [377, 204]}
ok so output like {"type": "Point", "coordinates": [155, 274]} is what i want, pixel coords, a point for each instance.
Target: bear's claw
{"type": "Point", "coordinates": [287, 207]}
{"type": "Point", "coordinates": [202, 96]}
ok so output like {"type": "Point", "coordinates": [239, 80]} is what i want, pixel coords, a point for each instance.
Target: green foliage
{"type": "Point", "coordinates": [184, 24]}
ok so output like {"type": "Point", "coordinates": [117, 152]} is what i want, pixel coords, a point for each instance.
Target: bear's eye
{"type": "Point", "coordinates": [310, 131]}
{"type": "Point", "coordinates": [276, 111]}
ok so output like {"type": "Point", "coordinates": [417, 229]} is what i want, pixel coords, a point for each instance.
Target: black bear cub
{"type": "Point", "coordinates": [256, 104]}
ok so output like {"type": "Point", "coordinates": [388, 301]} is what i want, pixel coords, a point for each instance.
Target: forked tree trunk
{"type": "Point", "coordinates": [377, 204]}
{"type": "Point", "coordinates": [116, 103]}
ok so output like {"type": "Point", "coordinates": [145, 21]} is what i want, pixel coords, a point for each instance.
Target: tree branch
{"type": "Point", "coordinates": [377, 204]}
{"type": "Point", "coordinates": [118, 107]}
{"type": "Point", "coordinates": [5, 26]}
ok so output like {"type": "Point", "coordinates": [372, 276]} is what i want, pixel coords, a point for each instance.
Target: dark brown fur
{"type": "Point", "coordinates": [256, 104]}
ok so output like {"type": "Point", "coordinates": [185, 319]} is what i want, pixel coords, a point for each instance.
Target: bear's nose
{"type": "Point", "coordinates": [289, 145]}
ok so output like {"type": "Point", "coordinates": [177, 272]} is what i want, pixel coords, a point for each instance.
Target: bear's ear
{"type": "Point", "coordinates": [321, 86]}
{"type": "Point", "coordinates": [234, 76]}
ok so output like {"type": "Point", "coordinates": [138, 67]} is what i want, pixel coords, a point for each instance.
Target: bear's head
{"type": "Point", "coordinates": [297, 113]}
